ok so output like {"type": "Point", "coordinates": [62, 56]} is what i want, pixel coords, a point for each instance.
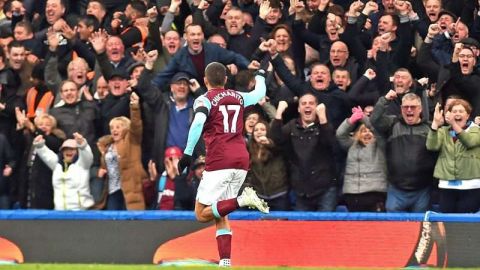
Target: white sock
{"type": "Point", "coordinates": [240, 201]}
{"type": "Point", "coordinates": [224, 263]}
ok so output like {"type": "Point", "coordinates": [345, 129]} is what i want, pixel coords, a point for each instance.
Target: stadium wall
{"type": "Point", "coordinates": [278, 239]}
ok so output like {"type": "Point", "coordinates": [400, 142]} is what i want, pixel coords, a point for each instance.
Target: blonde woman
{"type": "Point", "coordinates": [35, 177]}
{"type": "Point", "coordinates": [121, 162]}
{"type": "Point", "coordinates": [365, 183]}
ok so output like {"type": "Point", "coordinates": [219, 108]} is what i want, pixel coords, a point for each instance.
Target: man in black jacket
{"type": "Point", "coordinates": [410, 165]}
{"type": "Point", "coordinates": [309, 140]}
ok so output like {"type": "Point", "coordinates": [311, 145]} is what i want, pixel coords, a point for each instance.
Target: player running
{"type": "Point", "coordinates": [219, 113]}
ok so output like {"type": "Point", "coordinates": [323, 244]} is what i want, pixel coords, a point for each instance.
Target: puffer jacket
{"type": "Point", "coordinates": [366, 169]}
{"type": "Point", "coordinates": [71, 183]}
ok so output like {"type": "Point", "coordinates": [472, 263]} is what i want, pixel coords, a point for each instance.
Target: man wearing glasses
{"type": "Point", "coordinates": [410, 165]}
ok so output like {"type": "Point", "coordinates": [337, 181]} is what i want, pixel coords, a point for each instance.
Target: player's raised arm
{"type": "Point", "coordinates": [259, 92]}
{"type": "Point", "coordinates": [201, 108]}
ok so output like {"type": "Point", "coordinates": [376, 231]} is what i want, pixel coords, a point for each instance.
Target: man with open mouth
{"type": "Point", "coordinates": [409, 163]}
{"type": "Point", "coordinates": [193, 58]}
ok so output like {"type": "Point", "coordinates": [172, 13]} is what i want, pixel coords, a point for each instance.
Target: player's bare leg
{"type": "Point", "coordinates": [203, 212]}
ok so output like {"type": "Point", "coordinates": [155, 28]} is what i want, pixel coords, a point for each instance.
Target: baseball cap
{"type": "Point", "coordinates": [180, 76]}
{"type": "Point", "coordinates": [134, 65]}
{"type": "Point", "coordinates": [471, 42]}
{"type": "Point", "coordinates": [173, 151]}
{"type": "Point", "coordinates": [119, 73]}
{"type": "Point", "coordinates": [70, 143]}
{"type": "Point", "coordinates": [449, 13]}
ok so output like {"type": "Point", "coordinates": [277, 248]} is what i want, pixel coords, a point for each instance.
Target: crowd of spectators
{"type": "Point", "coordinates": [370, 104]}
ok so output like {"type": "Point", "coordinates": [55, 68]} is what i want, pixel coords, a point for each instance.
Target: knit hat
{"type": "Point", "coordinates": [173, 151]}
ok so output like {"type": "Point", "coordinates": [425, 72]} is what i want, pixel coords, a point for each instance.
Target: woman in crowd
{"type": "Point", "coordinates": [70, 179]}
{"type": "Point", "coordinates": [251, 118]}
{"type": "Point", "coordinates": [458, 164]}
{"type": "Point", "coordinates": [365, 183]}
{"type": "Point", "coordinates": [121, 162]}
{"type": "Point", "coordinates": [35, 186]}
{"type": "Point", "coordinates": [267, 174]}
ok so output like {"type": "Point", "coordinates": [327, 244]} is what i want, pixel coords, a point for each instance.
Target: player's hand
{"type": "Point", "coordinates": [184, 163]}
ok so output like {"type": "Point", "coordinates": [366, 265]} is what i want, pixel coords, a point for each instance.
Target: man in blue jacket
{"type": "Point", "coordinates": [193, 58]}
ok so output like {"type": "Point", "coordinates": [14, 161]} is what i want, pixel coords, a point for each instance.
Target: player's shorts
{"type": "Point", "coordinates": [220, 185]}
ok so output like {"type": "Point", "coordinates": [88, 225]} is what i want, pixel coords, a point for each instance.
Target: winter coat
{"type": "Point", "coordinates": [160, 104]}
{"type": "Point", "coordinates": [268, 178]}
{"type": "Point", "coordinates": [35, 177]}
{"type": "Point", "coordinates": [80, 117]}
{"type": "Point", "coordinates": [365, 169]}
{"type": "Point", "coordinates": [71, 183]}
{"type": "Point", "coordinates": [132, 172]}
{"type": "Point", "coordinates": [311, 156]}
{"type": "Point", "coordinates": [410, 165]}
{"type": "Point", "coordinates": [459, 160]}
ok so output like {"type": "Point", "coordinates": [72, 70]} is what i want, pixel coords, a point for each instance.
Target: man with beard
{"type": "Point", "coordinates": [124, 24]}
{"type": "Point", "coordinates": [78, 40]}
{"type": "Point", "coordinates": [410, 165]}
{"type": "Point", "coordinates": [443, 36]}
{"type": "Point", "coordinates": [172, 111]}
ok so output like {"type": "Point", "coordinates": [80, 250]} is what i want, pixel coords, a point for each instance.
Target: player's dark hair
{"type": "Point", "coordinates": [243, 78]}
{"type": "Point", "coordinates": [215, 74]}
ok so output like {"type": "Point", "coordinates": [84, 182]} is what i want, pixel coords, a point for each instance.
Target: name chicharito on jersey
{"type": "Point", "coordinates": [230, 93]}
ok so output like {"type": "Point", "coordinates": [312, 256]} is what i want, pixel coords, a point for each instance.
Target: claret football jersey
{"type": "Point", "coordinates": [223, 130]}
